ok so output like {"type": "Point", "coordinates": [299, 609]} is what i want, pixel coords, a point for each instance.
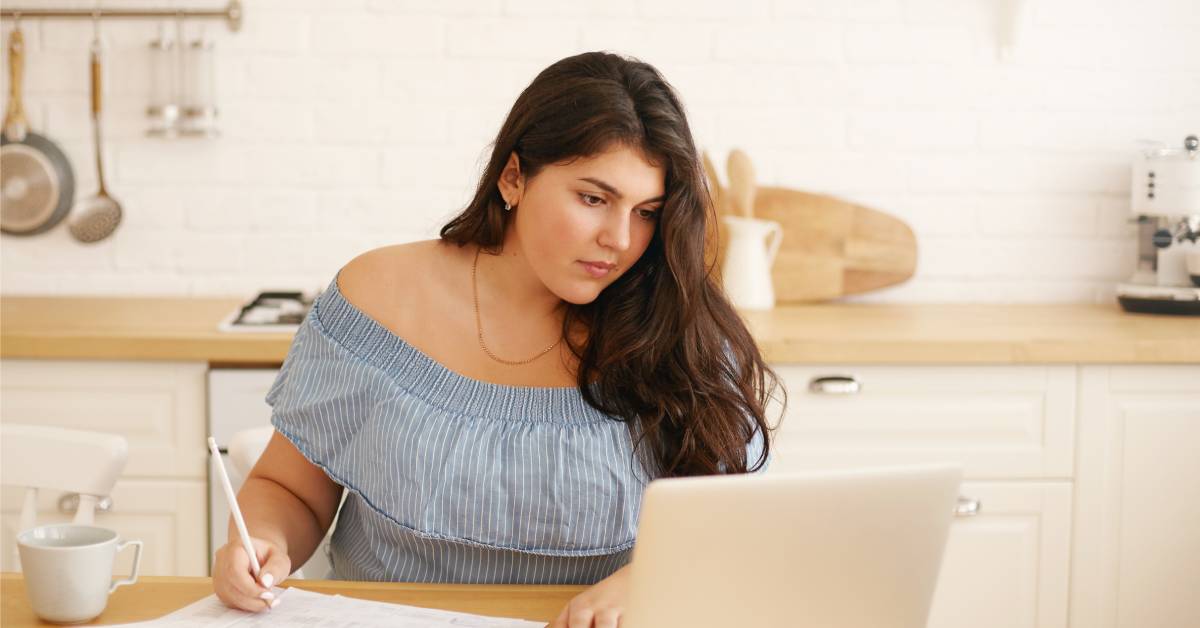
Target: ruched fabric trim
{"type": "Point", "coordinates": [424, 377]}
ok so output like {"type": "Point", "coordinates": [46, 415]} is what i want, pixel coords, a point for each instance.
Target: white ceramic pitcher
{"type": "Point", "coordinates": [746, 272]}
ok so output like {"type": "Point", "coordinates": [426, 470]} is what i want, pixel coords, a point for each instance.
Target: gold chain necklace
{"type": "Point", "coordinates": [479, 324]}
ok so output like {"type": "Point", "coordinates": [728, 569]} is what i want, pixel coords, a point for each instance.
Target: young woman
{"type": "Point", "coordinates": [491, 404]}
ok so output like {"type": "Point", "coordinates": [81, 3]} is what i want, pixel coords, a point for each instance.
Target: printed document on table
{"type": "Point", "coordinates": [298, 607]}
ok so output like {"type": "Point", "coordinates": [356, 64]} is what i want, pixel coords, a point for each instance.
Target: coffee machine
{"type": "Point", "coordinates": [1166, 207]}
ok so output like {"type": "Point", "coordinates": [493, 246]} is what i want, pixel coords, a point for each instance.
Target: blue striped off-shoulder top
{"type": "Point", "coordinates": [448, 478]}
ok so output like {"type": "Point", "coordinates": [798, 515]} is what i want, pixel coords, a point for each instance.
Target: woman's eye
{"type": "Point", "coordinates": [587, 198]}
{"type": "Point", "coordinates": [591, 200]}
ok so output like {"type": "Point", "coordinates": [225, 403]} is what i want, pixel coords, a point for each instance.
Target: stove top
{"type": "Point", "coordinates": [271, 311]}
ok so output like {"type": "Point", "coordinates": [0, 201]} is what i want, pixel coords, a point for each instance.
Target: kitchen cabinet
{"type": "Point", "coordinates": [1088, 476]}
{"type": "Point", "coordinates": [159, 407]}
{"type": "Point", "coordinates": [1010, 427]}
{"type": "Point", "coordinates": [1007, 567]}
{"type": "Point", "coordinates": [1137, 509]}
{"type": "Point", "coordinates": [168, 516]}
{"type": "Point", "coordinates": [1087, 472]}
{"type": "Point", "coordinates": [998, 422]}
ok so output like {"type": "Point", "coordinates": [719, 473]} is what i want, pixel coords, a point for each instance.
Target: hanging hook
{"type": "Point", "coordinates": [96, 28]}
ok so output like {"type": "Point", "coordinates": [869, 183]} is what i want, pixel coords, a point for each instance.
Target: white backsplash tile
{"type": "Point", "coordinates": [363, 123]}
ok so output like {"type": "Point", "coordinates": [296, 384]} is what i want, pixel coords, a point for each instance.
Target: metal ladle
{"type": "Point", "coordinates": [96, 217]}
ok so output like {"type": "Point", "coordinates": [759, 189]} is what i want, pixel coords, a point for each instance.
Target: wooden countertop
{"type": "Point", "coordinates": [186, 329]}
{"type": "Point", "coordinates": [974, 333]}
{"type": "Point", "coordinates": [155, 596]}
{"type": "Point", "coordinates": [118, 328]}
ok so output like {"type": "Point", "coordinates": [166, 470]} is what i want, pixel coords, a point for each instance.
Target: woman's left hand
{"type": "Point", "coordinates": [599, 606]}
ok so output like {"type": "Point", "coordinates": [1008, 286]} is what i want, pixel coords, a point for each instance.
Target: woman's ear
{"type": "Point", "coordinates": [512, 182]}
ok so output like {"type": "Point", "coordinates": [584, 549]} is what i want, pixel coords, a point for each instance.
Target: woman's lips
{"type": "Point", "coordinates": [596, 270]}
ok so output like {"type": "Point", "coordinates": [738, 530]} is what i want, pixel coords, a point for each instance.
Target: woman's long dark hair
{"type": "Point", "coordinates": [664, 347]}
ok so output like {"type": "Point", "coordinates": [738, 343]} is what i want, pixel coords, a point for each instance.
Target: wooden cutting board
{"type": "Point", "coordinates": [832, 248]}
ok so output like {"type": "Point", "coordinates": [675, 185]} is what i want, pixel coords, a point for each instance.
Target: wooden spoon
{"type": "Point", "coordinates": [741, 182]}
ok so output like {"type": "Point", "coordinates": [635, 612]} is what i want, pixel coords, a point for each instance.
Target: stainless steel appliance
{"type": "Point", "coordinates": [1166, 204]}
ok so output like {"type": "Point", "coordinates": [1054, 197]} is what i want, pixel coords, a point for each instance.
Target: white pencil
{"type": "Point", "coordinates": [234, 510]}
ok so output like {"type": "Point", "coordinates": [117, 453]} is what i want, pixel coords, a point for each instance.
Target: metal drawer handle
{"type": "Point", "coordinates": [69, 503]}
{"type": "Point", "coordinates": [834, 385]}
{"type": "Point", "coordinates": [967, 507]}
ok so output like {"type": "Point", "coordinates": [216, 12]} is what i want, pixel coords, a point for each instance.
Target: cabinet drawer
{"type": "Point", "coordinates": [157, 406]}
{"type": "Point", "coordinates": [1007, 567]}
{"type": "Point", "coordinates": [169, 516]}
{"type": "Point", "coordinates": [997, 422]}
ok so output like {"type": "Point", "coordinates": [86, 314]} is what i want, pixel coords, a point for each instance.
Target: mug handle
{"type": "Point", "coordinates": [137, 560]}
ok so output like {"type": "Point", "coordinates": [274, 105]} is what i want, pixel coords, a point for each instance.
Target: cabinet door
{"type": "Point", "coordinates": [998, 422]}
{"type": "Point", "coordinates": [157, 406]}
{"type": "Point", "coordinates": [1137, 514]}
{"type": "Point", "coordinates": [1007, 566]}
{"type": "Point", "coordinates": [170, 517]}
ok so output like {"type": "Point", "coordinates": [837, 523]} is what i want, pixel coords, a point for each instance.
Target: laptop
{"type": "Point", "coordinates": [839, 549]}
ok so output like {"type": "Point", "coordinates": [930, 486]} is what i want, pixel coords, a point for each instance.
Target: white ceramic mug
{"type": "Point", "coordinates": [68, 569]}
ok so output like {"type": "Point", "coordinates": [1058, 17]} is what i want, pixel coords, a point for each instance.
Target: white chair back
{"type": "Point", "coordinates": [59, 459]}
{"type": "Point", "coordinates": [247, 446]}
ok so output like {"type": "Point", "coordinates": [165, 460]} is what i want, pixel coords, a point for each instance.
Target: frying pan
{"type": "Point", "coordinates": [37, 185]}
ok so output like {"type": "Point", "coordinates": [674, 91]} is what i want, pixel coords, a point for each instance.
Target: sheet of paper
{"type": "Point", "coordinates": [298, 607]}
{"type": "Point", "coordinates": [206, 612]}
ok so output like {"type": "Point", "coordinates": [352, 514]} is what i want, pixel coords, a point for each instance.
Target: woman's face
{"type": "Point", "coordinates": [574, 219]}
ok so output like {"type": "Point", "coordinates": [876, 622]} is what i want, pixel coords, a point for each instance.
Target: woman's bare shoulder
{"type": "Point", "coordinates": [372, 279]}
{"type": "Point", "coordinates": [377, 280]}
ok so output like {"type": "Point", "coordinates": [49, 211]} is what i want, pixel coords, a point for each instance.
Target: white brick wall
{"type": "Point", "coordinates": [348, 125]}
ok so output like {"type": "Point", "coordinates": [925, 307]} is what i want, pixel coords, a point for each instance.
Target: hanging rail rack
{"type": "Point", "coordinates": [232, 14]}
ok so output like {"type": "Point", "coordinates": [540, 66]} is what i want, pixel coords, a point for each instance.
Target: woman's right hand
{"type": "Point", "coordinates": [233, 578]}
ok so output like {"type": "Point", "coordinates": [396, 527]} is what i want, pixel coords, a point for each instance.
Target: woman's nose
{"type": "Point", "coordinates": [616, 231]}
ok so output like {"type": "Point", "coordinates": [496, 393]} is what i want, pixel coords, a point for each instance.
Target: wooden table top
{"type": "Point", "coordinates": [155, 596]}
